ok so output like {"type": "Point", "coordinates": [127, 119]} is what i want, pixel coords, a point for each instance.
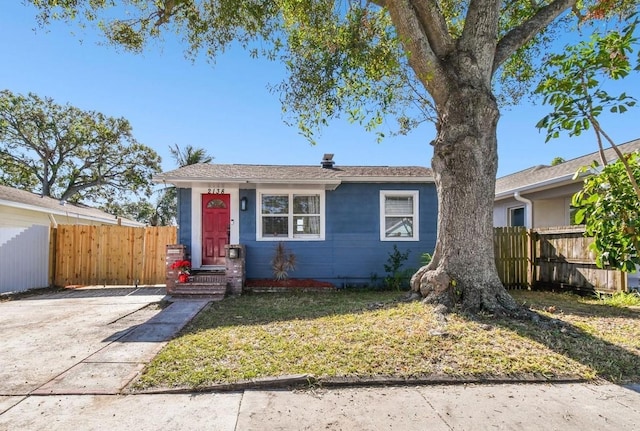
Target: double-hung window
{"type": "Point", "coordinates": [291, 215]}
{"type": "Point", "coordinates": [399, 215]}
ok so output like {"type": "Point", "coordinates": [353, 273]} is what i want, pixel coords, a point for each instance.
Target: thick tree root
{"type": "Point", "coordinates": [507, 308]}
{"type": "Point", "coordinates": [493, 301]}
{"type": "Point", "coordinates": [435, 286]}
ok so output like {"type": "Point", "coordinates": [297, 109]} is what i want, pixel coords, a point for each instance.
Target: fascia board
{"type": "Point", "coordinates": [190, 182]}
{"type": "Point", "coordinates": [539, 186]}
{"type": "Point", "coordinates": [429, 179]}
{"type": "Point", "coordinates": [64, 213]}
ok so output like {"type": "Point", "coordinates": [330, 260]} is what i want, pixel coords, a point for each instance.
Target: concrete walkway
{"type": "Point", "coordinates": [66, 358]}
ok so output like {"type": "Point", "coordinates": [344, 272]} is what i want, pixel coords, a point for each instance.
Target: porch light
{"type": "Point", "coordinates": [243, 203]}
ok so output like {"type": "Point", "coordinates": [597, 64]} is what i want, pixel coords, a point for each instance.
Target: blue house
{"type": "Point", "coordinates": [341, 222]}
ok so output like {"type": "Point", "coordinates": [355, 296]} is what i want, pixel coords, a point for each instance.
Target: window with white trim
{"type": "Point", "coordinates": [291, 215]}
{"type": "Point", "coordinates": [516, 216]}
{"type": "Point", "coordinates": [399, 215]}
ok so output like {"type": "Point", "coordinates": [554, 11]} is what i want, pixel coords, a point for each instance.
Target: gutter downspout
{"type": "Point", "coordinates": [52, 220]}
{"type": "Point", "coordinates": [528, 209]}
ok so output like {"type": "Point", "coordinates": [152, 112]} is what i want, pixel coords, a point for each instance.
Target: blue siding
{"type": "Point", "coordinates": [248, 218]}
{"type": "Point", "coordinates": [351, 252]}
{"type": "Point", "coordinates": [184, 218]}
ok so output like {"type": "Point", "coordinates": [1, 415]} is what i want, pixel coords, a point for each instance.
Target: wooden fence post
{"type": "Point", "coordinates": [53, 246]}
{"type": "Point", "coordinates": [531, 254]}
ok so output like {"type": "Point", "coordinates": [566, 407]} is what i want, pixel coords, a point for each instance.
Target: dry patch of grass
{"type": "Point", "coordinates": [363, 334]}
{"type": "Point", "coordinates": [604, 337]}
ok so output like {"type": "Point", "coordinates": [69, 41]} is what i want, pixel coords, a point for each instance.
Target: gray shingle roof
{"type": "Point", "coordinates": [292, 173]}
{"type": "Point", "coordinates": [545, 175]}
{"type": "Point", "coordinates": [24, 199]}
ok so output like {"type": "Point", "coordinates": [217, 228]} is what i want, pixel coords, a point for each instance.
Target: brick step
{"type": "Point", "coordinates": [193, 288]}
{"type": "Point", "coordinates": [208, 279]}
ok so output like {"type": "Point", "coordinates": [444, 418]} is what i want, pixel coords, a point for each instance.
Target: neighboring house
{"type": "Point", "coordinates": [19, 208]}
{"type": "Point", "coordinates": [341, 222]}
{"type": "Point", "coordinates": [25, 219]}
{"type": "Point", "coordinates": [541, 195]}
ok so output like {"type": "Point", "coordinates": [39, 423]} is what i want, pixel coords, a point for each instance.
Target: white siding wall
{"type": "Point", "coordinates": [17, 217]}
{"type": "Point", "coordinates": [551, 212]}
{"type": "Point", "coordinates": [500, 211]}
{"type": "Point", "coordinates": [24, 258]}
{"type": "Point", "coordinates": [547, 211]}
{"type": "Point", "coordinates": [20, 217]}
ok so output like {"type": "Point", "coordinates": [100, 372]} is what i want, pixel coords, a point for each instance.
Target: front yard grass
{"type": "Point", "coordinates": [353, 334]}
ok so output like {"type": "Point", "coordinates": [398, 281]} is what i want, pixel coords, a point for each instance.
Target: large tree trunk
{"type": "Point", "coordinates": [465, 162]}
{"type": "Point", "coordinates": [457, 70]}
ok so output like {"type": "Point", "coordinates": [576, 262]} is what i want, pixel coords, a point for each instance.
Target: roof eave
{"type": "Point", "coordinates": [69, 212]}
{"type": "Point", "coordinates": [184, 181]}
{"type": "Point", "coordinates": [178, 181]}
{"type": "Point", "coordinates": [387, 179]}
{"type": "Point", "coordinates": [539, 186]}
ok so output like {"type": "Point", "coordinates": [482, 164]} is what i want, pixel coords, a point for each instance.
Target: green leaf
{"type": "Point", "coordinates": [580, 215]}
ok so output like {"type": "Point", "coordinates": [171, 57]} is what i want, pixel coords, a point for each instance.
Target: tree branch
{"type": "Point", "coordinates": [480, 34]}
{"type": "Point", "coordinates": [421, 56]}
{"type": "Point", "coordinates": [165, 12]}
{"type": "Point", "coordinates": [520, 35]}
{"type": "Point", "coordinates": [621, 157]}
{"type": "Point", "coordinates": [73, 188]}
{"type": "Point", "coordinates": [434, 27]}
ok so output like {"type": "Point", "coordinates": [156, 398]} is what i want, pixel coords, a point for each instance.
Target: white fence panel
{"type": "Point", "coordinates": [24, 258]}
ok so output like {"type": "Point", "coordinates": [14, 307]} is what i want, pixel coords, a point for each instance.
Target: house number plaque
{"type": "Point", "coordinates": [216, 190]}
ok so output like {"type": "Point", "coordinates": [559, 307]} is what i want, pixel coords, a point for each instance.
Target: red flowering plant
{"type": "Point", "coordinates": [184, 266]}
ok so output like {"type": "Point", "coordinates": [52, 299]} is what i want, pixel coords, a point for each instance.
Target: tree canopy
{"type": "Point", "coordinates": [572, 83]}
{"type": "Point", "coordinates": [189, 155]}
{"type": "Point", "coordinates": [163, 209]}
{"type": "Point", "coordinates": [167, 207]}
{"type": "Point", "coordinates": [66, 153]}
{"type": "Point", "coordinates": [354, 58]}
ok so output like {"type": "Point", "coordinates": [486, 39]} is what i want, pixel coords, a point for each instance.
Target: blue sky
{"type": "Point", "coordinates": [227, 109]}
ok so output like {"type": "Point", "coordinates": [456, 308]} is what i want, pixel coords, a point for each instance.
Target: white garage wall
{"type": "Point", "coordinates": [24, 258]}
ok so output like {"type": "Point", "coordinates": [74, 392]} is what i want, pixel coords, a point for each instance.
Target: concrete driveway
{"type": "Point", "coordinates": [84, 341]}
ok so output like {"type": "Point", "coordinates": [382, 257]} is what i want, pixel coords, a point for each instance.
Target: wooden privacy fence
{"type": "Point", "coordinates": [109, 255]}
{"type": "Point", "coordinates": [512, 248]}
{"type": "Point", "coordinates": [563, 258]}
{"type": "Point", "coordinates": [557, 256]}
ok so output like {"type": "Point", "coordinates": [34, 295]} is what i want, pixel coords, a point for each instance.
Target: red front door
{"type": "Point", "coordinates": [215, 228]}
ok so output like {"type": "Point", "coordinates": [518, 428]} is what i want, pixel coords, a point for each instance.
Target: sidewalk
{"type": "Point", "coordinates": [66, 359]}
{"type": "Point", "coordinates": [563, 407]}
